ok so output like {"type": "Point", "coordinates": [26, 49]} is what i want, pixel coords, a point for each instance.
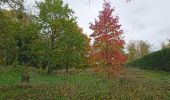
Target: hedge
{"type": "Point", "coordinates": [159, 60]}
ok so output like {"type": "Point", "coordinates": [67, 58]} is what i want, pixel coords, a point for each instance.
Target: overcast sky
{"type": "Point", "coordinates": [140, 19]}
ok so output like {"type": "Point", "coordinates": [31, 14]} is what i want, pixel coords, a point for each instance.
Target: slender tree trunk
{"type": "Point", "coordinates": [49, 70]}
{"type": "Point", "coordinates": [49, 64]}
{"type": "Point", "coordinates": [66, 69]}
{"type": "Point", "coordinates": [84, 69]}
{"type": "Point", "coordinates": [25, 76]}
{"type": "Point", "coordinates": [52, 42]}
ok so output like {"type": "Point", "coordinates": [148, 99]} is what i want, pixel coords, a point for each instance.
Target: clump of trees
{"type": "Point", "coordinates": [137, 49]}
{"type": "Point", "coordinates": [52, 38]}
{"type": "Point", "coordinates": [65, 38]}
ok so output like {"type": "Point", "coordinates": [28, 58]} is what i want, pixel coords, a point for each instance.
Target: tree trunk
{"type": "Point", "coordinates": [84, 69]}
{"type": "Point", "coordinates": [49, 70]}
{"type": "Point", "coordinates": [25, 76]}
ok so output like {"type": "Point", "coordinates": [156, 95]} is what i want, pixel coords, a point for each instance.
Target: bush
{"type": "Point", "coordinates": [159, 60]}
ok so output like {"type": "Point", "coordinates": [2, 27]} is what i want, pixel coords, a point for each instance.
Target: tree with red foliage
{"type": "Point", "coordinates": [108, 44]}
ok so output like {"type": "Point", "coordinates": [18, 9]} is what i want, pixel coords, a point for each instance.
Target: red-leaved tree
{"type": "Point", "coordinates": [108, 43]}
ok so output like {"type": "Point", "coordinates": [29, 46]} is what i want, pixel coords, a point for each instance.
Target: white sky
{"type": "Point", "coordinates": [140, 19]}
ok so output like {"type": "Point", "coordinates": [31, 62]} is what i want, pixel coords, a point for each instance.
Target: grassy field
{"type": "Point", "coordinates": [135, 84]}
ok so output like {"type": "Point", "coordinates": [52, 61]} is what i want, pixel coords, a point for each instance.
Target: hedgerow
{"type": "Point", "coordinates": [159, 60]}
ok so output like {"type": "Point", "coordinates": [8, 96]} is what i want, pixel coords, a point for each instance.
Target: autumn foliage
{"type": "Point", "coordinates": [108, 43]}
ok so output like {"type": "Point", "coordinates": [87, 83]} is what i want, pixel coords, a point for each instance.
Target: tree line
{"type": "Point", "coordinates": [53, 40]}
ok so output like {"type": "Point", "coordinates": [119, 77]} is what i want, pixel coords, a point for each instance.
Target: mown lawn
{"type": "Point", "coordinates": [135, 84]}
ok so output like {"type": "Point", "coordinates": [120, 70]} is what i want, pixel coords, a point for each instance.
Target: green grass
{"type": "Point", "coordinates": [135, 84]}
